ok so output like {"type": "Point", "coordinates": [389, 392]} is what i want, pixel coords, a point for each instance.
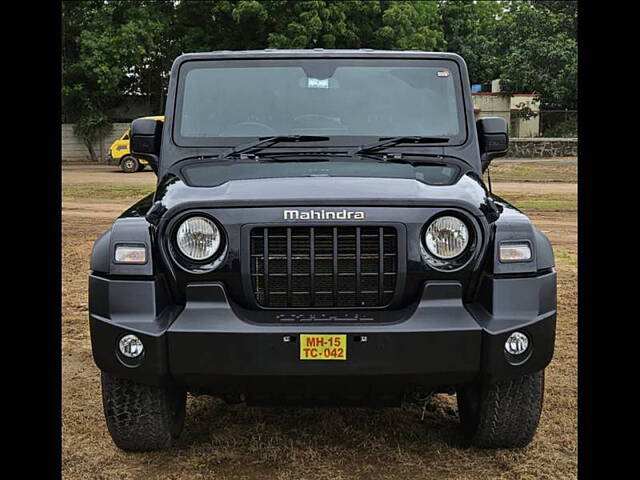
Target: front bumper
{"type": "Point", "coordinates": [207, 345]}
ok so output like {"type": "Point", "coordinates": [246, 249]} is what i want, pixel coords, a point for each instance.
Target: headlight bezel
{"type": "Point", "coordinates": [459, 261]}
{"type": "Point", "coordinates": [185, 262]}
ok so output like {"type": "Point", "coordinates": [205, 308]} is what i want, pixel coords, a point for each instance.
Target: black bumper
{"type": "Point", "coordinates": [206, 345]}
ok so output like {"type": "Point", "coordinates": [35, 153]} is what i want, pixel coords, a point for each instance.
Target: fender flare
{"type": "Point", "coordinates": [129, 230]}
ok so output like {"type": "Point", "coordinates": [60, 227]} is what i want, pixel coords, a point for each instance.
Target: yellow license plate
{"type": "Point", "coordinates": [323, 347]}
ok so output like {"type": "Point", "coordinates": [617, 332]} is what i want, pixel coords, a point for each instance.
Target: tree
{"type": "Point", "coordinates": [92, 127]}
{"type": "Point", "coordinates": [204, 26]}
{"type": "Point", "coordinates": [310, 24]}
{"type": "Point", "coordinates": [539, 51]}
{"type": "Point", "coordinates": [399, 25]}
{"type": "Point", "coordinates": [106, 61]}
{"type": "Point", "coordinates": [470, 30]}
{"type": "Point", "coordinates": [411, 26]}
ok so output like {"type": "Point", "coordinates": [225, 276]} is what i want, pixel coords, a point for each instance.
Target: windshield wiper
{"type": "Point", "coordinates": [390, 142]}
{"type": "Point", "coordinates": [269, 141]}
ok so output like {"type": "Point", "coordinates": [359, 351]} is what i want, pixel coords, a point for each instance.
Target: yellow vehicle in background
{"type": "Point", "coordinates": [119, 152]}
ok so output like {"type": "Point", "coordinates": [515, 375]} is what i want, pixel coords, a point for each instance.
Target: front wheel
{"type": "Point", "coordinates": [142, 417]}
{"type": "Point", "coordinates": [129, 164]}
{"type": "Point", "coordinates": [503, 414]}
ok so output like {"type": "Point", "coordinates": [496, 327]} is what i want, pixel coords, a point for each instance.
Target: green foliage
{"type": "Point", "coordinates": [411, 26]}
{"type": "Point", "coordinates": [564, 127]}
{"type": "Point", "coordinates": [470, 30]}
{"type": "Point", "coordinates": [539, 51]}
{"type": "Point", "coordinates": [309, 24]}
{"type": "Point", "coordinates": [110, 50]}
{"type": "Point", "coordinates": [91, 128]}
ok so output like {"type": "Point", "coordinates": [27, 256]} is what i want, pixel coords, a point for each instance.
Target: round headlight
{"type": "Point", "coordinates": [447, 237]}
{"type": "Point", "coordinates": [198, 238]}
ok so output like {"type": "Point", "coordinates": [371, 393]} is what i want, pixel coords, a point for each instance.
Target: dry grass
{"type": "Point", "coordinates": [96, 191]}
{"type": "Point", "coordinates": [237, 442]}
{"type": "Point", "coordinates": [533, 203]}
{"type": "Point", "coordinates": [540, 170]}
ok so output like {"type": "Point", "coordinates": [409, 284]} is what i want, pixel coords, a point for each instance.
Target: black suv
{"type": "Point", "coordinates": [321, 234]}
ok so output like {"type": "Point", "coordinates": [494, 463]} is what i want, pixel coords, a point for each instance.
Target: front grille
{"type": "Point", "coordinates": [324, 267]}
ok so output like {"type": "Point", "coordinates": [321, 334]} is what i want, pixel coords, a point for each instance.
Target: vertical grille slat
{"type": "Point", "coordinates": [358, 268]}
{"type": "Point", "coordinates": [381, 263]}
{"type": "Point", "coordinates": [289, 268]}
{"type": "Point", "coordinates": [335, 266]}
{"type": "Point", "coordinates": [266, 265]}
{"type": "Point", "coordinates": [324, 266]}
{"type": "Point", "coordinates": [312, 265]}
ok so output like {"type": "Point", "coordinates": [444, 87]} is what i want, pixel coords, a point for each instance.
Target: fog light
{"type": "Point", "coordinates": [131, 346]}
{"type": "Point", "coordinates": [516, 344]}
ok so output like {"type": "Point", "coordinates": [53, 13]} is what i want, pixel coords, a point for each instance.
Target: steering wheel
{"type": "Point", "coordinates": [316, 120]}
{"type": "Point", "coordinates": [249, 129]}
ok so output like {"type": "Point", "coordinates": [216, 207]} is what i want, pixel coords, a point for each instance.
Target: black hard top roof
{"type": "Point", "coordinates": [317, 53]}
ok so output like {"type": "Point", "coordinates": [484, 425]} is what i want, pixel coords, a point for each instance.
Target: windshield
{"type": "Point", "coordinates": [214, 173]}
{"type": "Point", "coordinates": [222, 102]}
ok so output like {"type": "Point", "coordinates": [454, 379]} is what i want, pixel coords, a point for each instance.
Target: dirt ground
{"type": "Point", "coordinates": [222, 441]}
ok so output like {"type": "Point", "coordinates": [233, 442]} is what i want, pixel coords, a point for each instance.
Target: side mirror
{"type": "Point", "coordinates": [146, 136]}
{"type": "Point", "coordinates": [493, 138]}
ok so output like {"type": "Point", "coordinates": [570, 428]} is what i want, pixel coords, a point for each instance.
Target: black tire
{"type": "Point", "coordinates": [502, 414]}
{"type": "Point", "coordinates": [129, 164]}
{"type": "Point", "coordinates": [142, 417]}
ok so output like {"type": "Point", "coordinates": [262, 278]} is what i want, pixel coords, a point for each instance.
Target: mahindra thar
{"type": "Point", "coordinates": [321, 234]}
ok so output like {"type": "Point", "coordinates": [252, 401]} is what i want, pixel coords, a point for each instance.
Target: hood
{"type": "Point", "coordinates": [469, 193]}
